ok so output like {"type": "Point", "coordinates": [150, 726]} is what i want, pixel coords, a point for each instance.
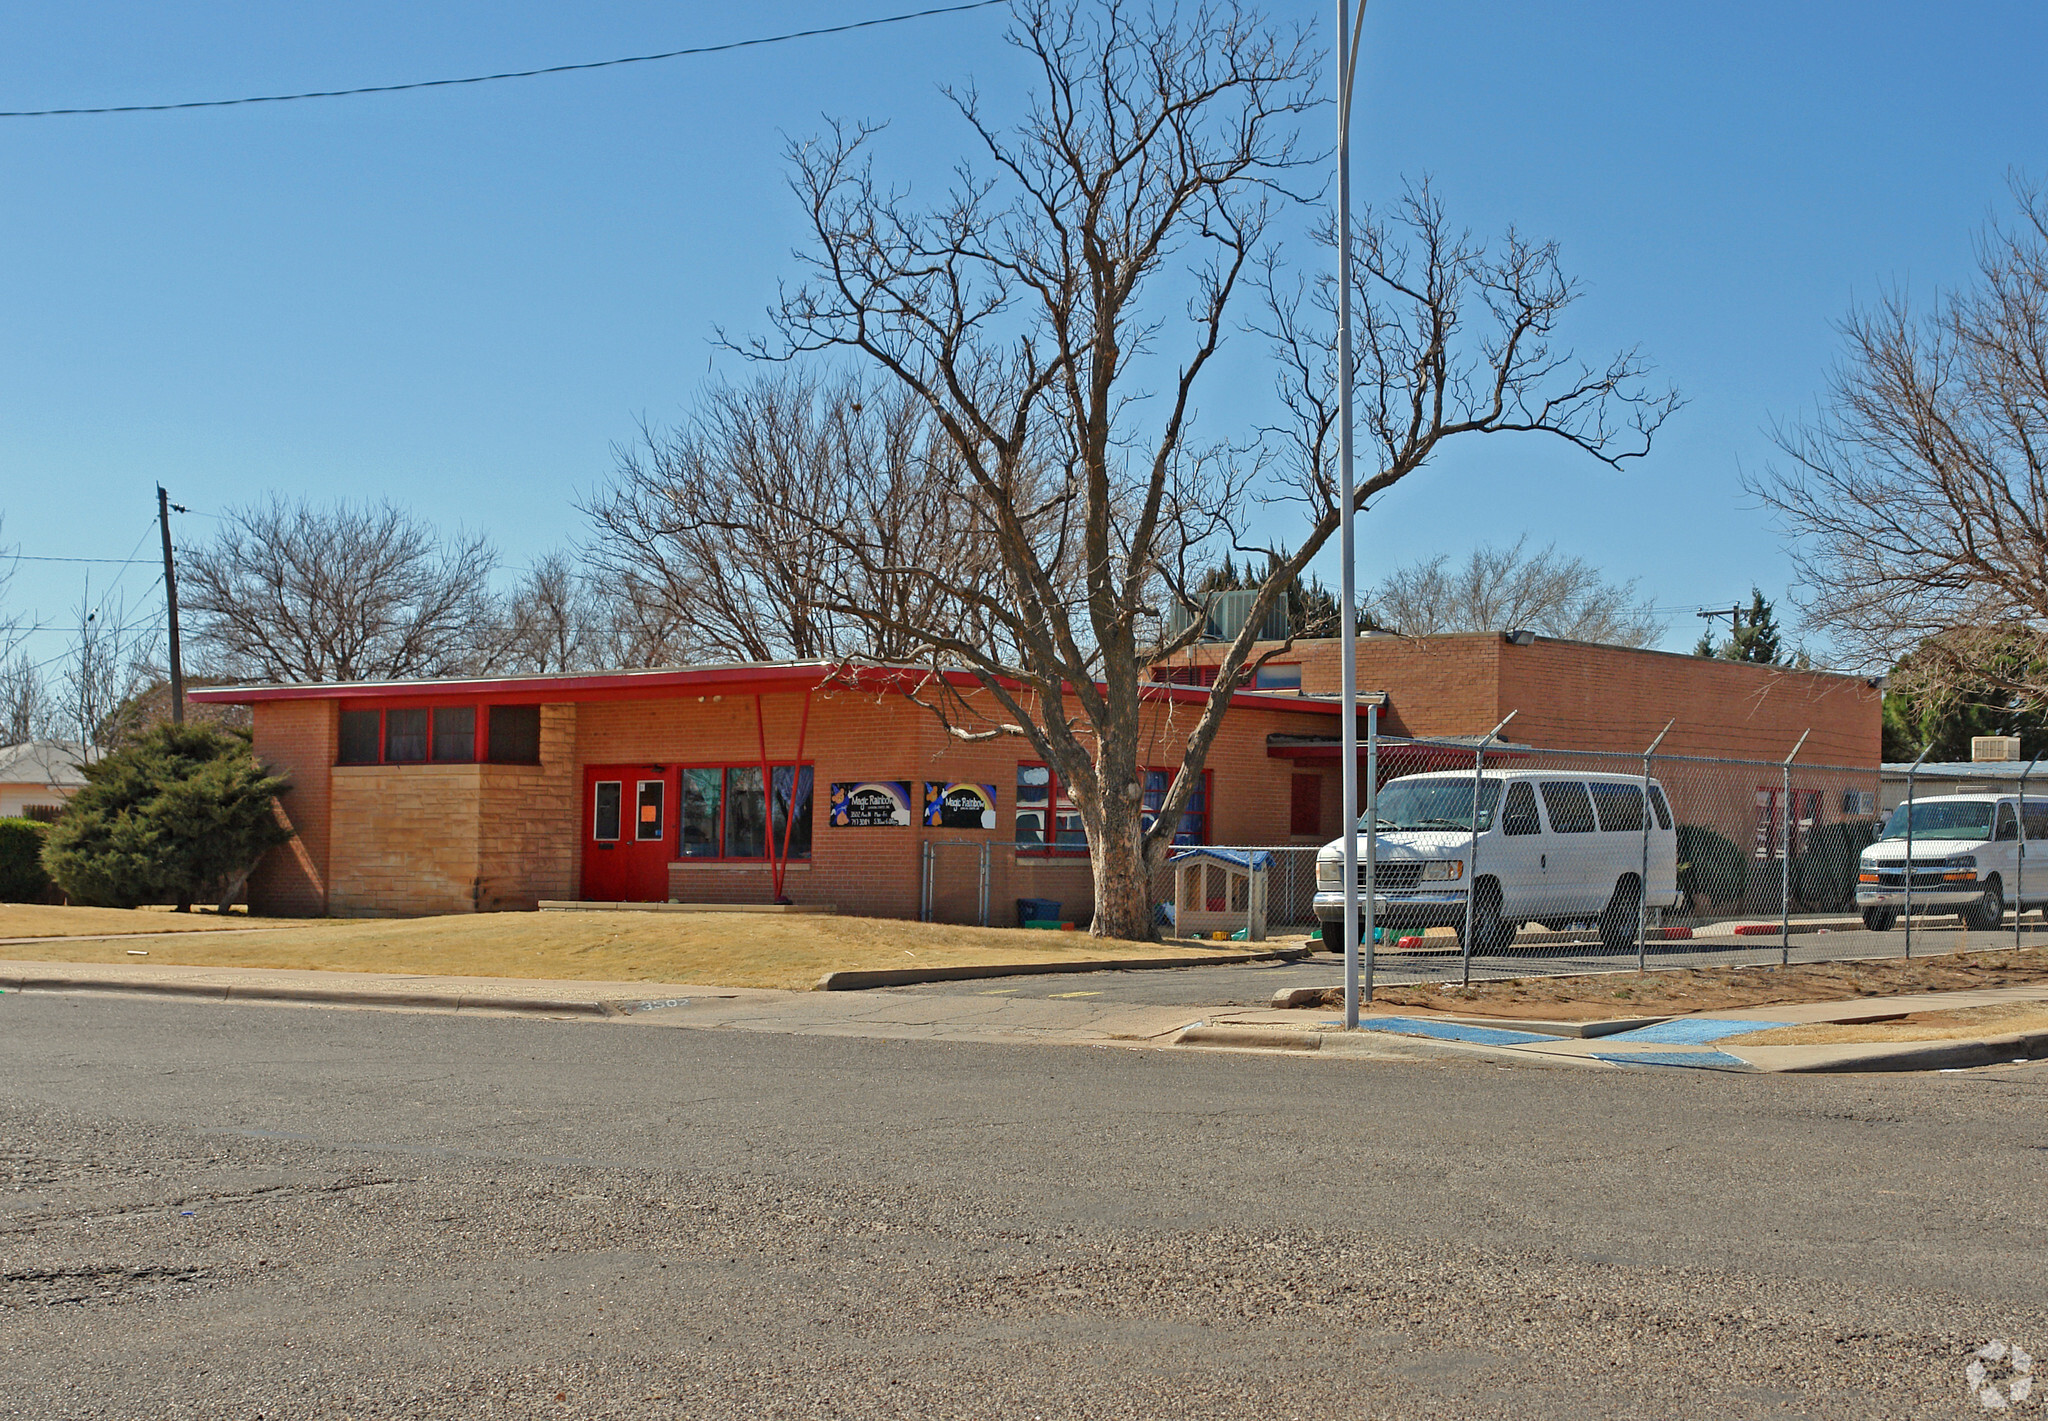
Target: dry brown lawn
{"type": "Point", "coordinates": [45, 920]}
{"type": "Point", "coordinates": [1967, 1024]}
{"type": "Point", "coordinates": [715, 949]}
{"type": "Point", "coordinates": [1678, 991]}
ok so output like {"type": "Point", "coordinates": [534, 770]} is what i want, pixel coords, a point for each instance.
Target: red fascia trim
{"type": "Point", "coordinates": [654, 685]}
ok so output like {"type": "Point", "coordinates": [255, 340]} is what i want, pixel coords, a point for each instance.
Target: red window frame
{"type": "Point", "coordinates": [480, 750]}
{"type": "Point", "coordinates": [1768, 844]}
{"type": "Point", "coordinates": [774, 843]}
{"type": "Point", "coordinates": [1055, 802]}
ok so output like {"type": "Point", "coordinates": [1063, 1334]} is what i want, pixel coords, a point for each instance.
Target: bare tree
{"type": "Point", "coordinates": [557, 622]}
{"type": "Point", "coordinates": [1917, 498]}
{"type": "Point", "coordinates": [28, 706]}
{"type": "Point", "coordinates": [1107, 244]}
{"type": "Point", "coordinates": [716, 535]}
{"type": "Point", "coordinates": [111, 661]}
{"type": "Point", "coordinates": [290, 592]}
{"type": "Point", "coordinates": [1498, 589]}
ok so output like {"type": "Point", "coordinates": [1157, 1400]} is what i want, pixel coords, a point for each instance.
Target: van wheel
{"type": "Point", "coordinates": [1618, 918]}
{"type": "Point", "coordinates": [1989, 911]}
{"type": "Point", "coordinates": [1489, 933]}
{"type": "Point", "coordinates": [1880, 920]}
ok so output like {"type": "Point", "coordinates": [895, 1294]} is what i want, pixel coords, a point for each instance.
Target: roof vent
{"type": "Point", "coordinates": [1985, 748]}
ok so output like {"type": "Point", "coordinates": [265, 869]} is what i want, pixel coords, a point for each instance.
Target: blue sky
{"type": "Point", "coordinates": [458, 299]}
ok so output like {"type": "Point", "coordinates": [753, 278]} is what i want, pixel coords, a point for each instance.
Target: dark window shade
{"type": "Point", "coordinates": [359, 734]}
{"type": "Point", "coordinates": [455, 733]}
{"type": "Point", "coordinates": [405, 737]}
{"type": "Point", "coordinates": [515, 735]}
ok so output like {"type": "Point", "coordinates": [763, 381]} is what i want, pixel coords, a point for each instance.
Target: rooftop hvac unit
{"type": "Point", "coordinates": [1225, 615]}
{"type": "Point", "coordinates": [1985, 748]}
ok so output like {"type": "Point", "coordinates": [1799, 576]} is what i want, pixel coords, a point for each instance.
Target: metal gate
{"type": "Point", "coordinates": [942, 866]}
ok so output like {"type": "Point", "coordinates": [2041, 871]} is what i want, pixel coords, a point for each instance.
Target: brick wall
{"type": "Point", "coordinates": [405, 839]}
{"type": "Point", "coordinates": [1573, 695]}
{"type": "Point", "coordinates": [528, 821]}
{"type": "Point", "coordinates": [297, 739]}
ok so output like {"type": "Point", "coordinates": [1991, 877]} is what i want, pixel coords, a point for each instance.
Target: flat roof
{"type": "Point", "coordinates": [739, 676]}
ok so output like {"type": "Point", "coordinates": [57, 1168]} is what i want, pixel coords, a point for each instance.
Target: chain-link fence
{"type": "Point", "coordinates": [1516, 861]}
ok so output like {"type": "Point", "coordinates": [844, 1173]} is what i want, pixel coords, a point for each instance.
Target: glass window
{"type": "Point", "coordinates": [703, 797]}
{"type": "Point", "coordinates": [1941, 819]}
{"type": "Point", "coordinates": [1657, 803]}
{"type": "Point", "coordinates": [650, 821]}
{"type": "Point", "coordinates": [359, 733]}
{"type": "Point", "coordinates": [515, 735]}
{"type": "Point", "coordinates": [1285, 677]}
{"type": "Point", "coordinates": [455, 733]}
{"type": "Point", "coordinates": [1194, 816]}
{"type": "Point", "coordinates": [1434, 804]}
{"type": "Point", "coordinates": [1034, 804]}
{"type": "Point", "coordinates": [2036, 819]}
{"type": "Point", "coordinates": [1040, 797]}
{"type": "Point", "coordinates": [746, 816]}
{"type": "Point", "coordinates": [1620, 806]}
{"type": "Point", "coordinates": [604, 818]}
{"type": "Point", "coordinates": [2008, 825]}
{"type": "Point", "coordinates": [794, 839]}
{"type": "Point", "coordinates": [405, 737]}
{"type": "Point", "coordinates": [1569, 806]}
{"type": "Point", "coordinates": [1519, 817]}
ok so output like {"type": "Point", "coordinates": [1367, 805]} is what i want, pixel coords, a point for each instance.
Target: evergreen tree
{"type": "Point", "coordinates": [1756, 637]}
{"type": "Point", "coordinates": [1311, 607]}
{"type": "Point", "coordinates": [185, 810]}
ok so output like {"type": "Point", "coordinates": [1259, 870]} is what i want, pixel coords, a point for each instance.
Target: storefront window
{"type": "Point", "coordinates": [1048, 822]}
{"type": "Point", "coordinates": [725, 815]}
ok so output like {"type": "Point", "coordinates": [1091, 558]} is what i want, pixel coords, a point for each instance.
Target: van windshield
{"type": "Point", "coordinates": [1941, 821]}
{"type": "Point", "coordinates": [1433, 804]}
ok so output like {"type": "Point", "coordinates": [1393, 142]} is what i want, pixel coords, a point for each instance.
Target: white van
{"type": "Point", "coordinates": [1966, 859]}
{"type": "Point", "coordinates": [1553, 846]}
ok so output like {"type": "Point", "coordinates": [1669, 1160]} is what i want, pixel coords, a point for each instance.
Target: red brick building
{"type": "Point", "coordinates": [452, 796]}
{"type": "Point", "coordinates": [818, 784]}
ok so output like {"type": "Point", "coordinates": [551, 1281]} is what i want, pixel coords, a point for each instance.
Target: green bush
{"type": "Point", "coordinates": [184, 811]}
{"type": "Point", "coordinates": [1710, 868]}
{"type": "Point", "coordinates": [22, 879]}
{"type": "Point", "coordinates": [1824, 874]}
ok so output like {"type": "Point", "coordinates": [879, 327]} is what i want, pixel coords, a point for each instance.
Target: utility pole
{"type": "Point", "coordinates": [163, 519]}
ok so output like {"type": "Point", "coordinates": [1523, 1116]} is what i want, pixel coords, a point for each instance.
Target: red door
{"type": "Point", "coordinates": [626, 811]}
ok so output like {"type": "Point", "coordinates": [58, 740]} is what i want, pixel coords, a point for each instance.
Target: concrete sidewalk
{"type": "Point", "coordinates": [982, 1013]}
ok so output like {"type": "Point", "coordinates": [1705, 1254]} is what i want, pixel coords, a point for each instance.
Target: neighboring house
{"type": "Point", "coordinates": [37, 776]}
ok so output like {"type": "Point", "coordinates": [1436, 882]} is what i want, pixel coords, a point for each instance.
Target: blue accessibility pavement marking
{"type": "Point", "coordinates": [1451, 1031]}
{"type": "Point", "coordinates": [1691, 1031]}
{"type": "Point", "coordinates": [1699, 1060]}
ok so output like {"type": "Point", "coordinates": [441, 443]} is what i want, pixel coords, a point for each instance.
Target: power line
{"type": "Point", "coordinates": [115, 562]}
{"type": "Point", "coordinates": [509, 74]}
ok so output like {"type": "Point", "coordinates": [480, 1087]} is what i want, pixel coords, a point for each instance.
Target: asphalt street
{"type": "Point", "coordinates": [257, 1211]}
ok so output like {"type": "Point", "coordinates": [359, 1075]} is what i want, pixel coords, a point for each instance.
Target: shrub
{"type": "Point", "coordinates": [1710, 868]}
{"type": "Point", "coordinates": [1824, 874]}
{"type": "Point", "coordinates": [185, 810]}
{"type": "Point", "coordinates": [22, 879]}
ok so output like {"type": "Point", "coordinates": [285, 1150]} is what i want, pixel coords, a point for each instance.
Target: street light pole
{"type": "Point", "coordinates": [1348, 29]}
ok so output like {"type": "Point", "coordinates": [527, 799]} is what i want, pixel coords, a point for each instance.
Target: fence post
{"type": "Point", "coordinates": [924, 880]}
{"type": "Point", "coordinates": [2019, 888]}
{"type": "Point", "coordinates": [1370, 898]}
{"type": "Point", "coordinates": [1785, 860]}
{"type": "Point", "coordinates": [1472, 868]}
{"type": "Point", "coordinates": [1912, 774]}
{"type": "Point", "coordinates": [1643, 882]}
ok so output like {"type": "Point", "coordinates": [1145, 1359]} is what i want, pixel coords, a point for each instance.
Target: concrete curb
{"type": "Point", "coordinates": [1274, 1039]}
{"type": "Point", "coordinates": [913, 976]}
{"type": "Point", "coordinates": [314, 996]}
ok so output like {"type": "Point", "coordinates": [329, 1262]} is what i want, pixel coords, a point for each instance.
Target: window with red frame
{"type": "Point", "coordinates": [441, 735]}
{"type": "Point", "coordinates": [724, 817]}
{"type": "Point", "coordinates": [1048, 822]}
{"type": "Point", "coordinates": [1770, 820]}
